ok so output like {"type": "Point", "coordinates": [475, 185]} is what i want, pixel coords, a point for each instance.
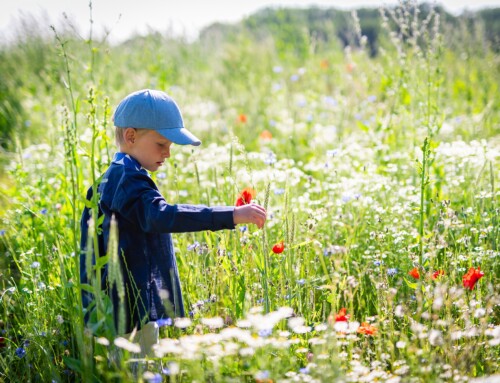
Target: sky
{"type": "Point", "coordinates": [187, 17]}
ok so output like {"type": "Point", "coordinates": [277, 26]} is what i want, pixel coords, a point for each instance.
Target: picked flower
{"type": "Point", "coordinates": [279, 248]}
{"type": "Point", "coordinates": [414, 273]}
{"type": "Point", "coordinates": [367, 329]}
{"type": "Point", "coordinates": [245, 197]}
{"type": "Point", "coordinates": [471, 277]}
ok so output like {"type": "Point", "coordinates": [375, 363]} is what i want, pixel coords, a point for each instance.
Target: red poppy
{"type": "Point", "coordinates": [414, 273]}
{"type": "Point", "coordinates": [471, 277]}
{"type": "Point", "coordinates": [279, 247]}
{"type": "Point", "coordinates": [367, 329]}
{"type": "Point", "coordinates": [245, 197]}
{"type": "Point", "coordinates": [2, 342]}
{"type": "Point", "coordinates": [341, 316]}
{"type": "Point", "coordinates": [438, 273]}
{"type": "Point", "coordinates": [242, 118]}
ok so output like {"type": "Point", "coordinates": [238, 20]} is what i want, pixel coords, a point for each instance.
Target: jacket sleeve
{"type": "Point", "coordinates": [138, 201]}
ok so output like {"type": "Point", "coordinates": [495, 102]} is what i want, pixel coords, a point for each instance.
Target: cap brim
{"type": "Point", "coordinates": [180, 136]}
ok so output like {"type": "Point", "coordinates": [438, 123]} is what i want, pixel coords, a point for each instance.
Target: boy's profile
{"type": "Point", "coordinates": [147, 122]}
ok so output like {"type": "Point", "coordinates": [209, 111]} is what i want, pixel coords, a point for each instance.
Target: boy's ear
{"type": "Point", "coordinates": [129, 135]}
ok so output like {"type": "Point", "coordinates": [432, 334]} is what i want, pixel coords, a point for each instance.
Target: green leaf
{"type": "Point", "coordinates": [101, 262]}
{"type": "Point", "coordinates": [411, 285]}
{"type": "Point", "coordinates": [73, 364]}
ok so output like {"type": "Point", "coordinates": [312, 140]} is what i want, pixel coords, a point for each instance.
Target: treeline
{"type": "Point", "coordinates": [298, 29]}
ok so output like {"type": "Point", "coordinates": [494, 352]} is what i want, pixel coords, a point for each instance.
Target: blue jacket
{"type": "Point", "coordinates": [145, 222]}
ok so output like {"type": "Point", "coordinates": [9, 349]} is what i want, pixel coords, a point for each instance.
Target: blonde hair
{"type": "Point", "coordinates": [120, 134]}
{"type": "Point", "coordinates": [119, 139]}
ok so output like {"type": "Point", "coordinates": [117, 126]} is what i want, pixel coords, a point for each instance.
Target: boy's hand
{"type": "Point", "coordinates": [251, 213]}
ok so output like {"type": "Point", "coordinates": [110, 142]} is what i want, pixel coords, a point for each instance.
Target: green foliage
{"type": "Point", "coordinates": [373, 156]}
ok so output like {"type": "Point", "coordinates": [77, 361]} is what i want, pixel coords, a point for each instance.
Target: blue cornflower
{"type": "Point", "coordinates": [161, 175]}
{"type": "Point", "coordinates": [304, 370]}
{"type": "Point", "coordinates": [2, 232]}
{"type": "Point", "coordinates": [301, 103]}
{"type": "Point", "coordinates": [371, 98]}
{"type": "Point", "coordinates": [332, 152]}
{"type": "Point", "coordinates": [301, 281]}
{"type": "Point", "coordinates": [156, 378]}
{"type": "Point", "coordinates": [346, 198]}
{"type": "Point", "coordinates": [43, 211]}
{"type": "Point", "coordinates": [262, 375]}
{"type": "Point", "coordinates": [194, 246]}
{"type": "Point", "coordinates": [243, 228]}
{"type": "Point", "coordinates": [294, 77]}
{"type": "Point", "coordinates": [277, 69]}
{"type": "Point", "coordinates": [329, 100]}
{"type": "Point", "coordinates": [264, 333]}
{"type": "Point", "coordinates": [279, 191]}
{"type": "Point", "coordinates": [377, 263]}
{"type": "Point", "coordinates": [392, 271]}
{"type": "Point", "coordinates": [35, 265]}
{"type": "Point", "coordinates": [164, 322]}
{"type": "Point", "coordinates": [20, 352]}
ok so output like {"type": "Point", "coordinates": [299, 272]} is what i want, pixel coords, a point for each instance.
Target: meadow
{"type": "Point", "coordinates": [379, 259]}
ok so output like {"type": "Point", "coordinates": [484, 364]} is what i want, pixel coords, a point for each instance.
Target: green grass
{"type": "Point", "coordinates": [376, 165]}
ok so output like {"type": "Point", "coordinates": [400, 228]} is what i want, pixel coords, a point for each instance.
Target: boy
{"type": "Point", "coordinates": [147, 122]}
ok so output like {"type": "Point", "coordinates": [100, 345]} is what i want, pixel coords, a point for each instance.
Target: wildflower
{"type": "Point", "coordinates": [242, 118]}
{"type": "Point", "coordinates": [60, 319]}
{"type": "Point", "coordinates": [20, 352]}
{"type": "Point", "coordinates": [264, 333]}
{"type": "Point", "coordinates": [245, 197]}
{"type": "Point", "coordinates": [35, 265]}
{"type": "Point", "coordinates": [301, 281]}
{"type": "Point", "coordinates": [324, 64]}
{"type": "Point", "coordinates": [279, 191]}
{"type": "Point", "coordinates": [277, 69]}
{"type": "Point", "coordinates": [266, 135]}
{"type": "Point", "coordinates": [2, 342]}
{"type": "Point", "coordinates": [367, 329]}
{"type": "Point", "coordinates": [193, 246]}
{"type": "Point", "coordinates": [152, 378]}
{"type": "Point", "coordinates": [262, 376]}
{"type": "Point", "coordinates": [2, 232]}
{"type": "Point", "coordinates": [164, 322]}
{"type": "Point", "coordinates": [182, 322]}
{"type": "Point", "coordinates": [127, 345]}
{"type": "Point", "coordinates": [332, 152]}
{"type": "Point", "coordinates": [213, 323]}
{"type": "Point", "coordinates": [392, 271]}
{"type": "Point", "coordinates": [471, 277]}
{"type": "Point", "coordinates": [414, 273]}
{"type": "Point", "coordinates": [377, 263]}
{"type": "Point", "coordinates": [279, 248]}
{"type": "Point", "coordinates": [342, 316]}
{"type": "Point", "coordinates": [243, 228]}
{"type": "Point", "coordinates": [43, 211]}
{"type": "Point", "coordinates": [438, 273]}
{"type": "Point", "coordinates": [270, 158]}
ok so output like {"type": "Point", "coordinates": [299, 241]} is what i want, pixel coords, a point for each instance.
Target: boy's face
{"type": "Point", "coordinates": [148, 147]}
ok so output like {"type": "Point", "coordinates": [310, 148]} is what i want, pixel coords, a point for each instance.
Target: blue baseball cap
{"type": "Point", "coordinates": [155, 110]}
